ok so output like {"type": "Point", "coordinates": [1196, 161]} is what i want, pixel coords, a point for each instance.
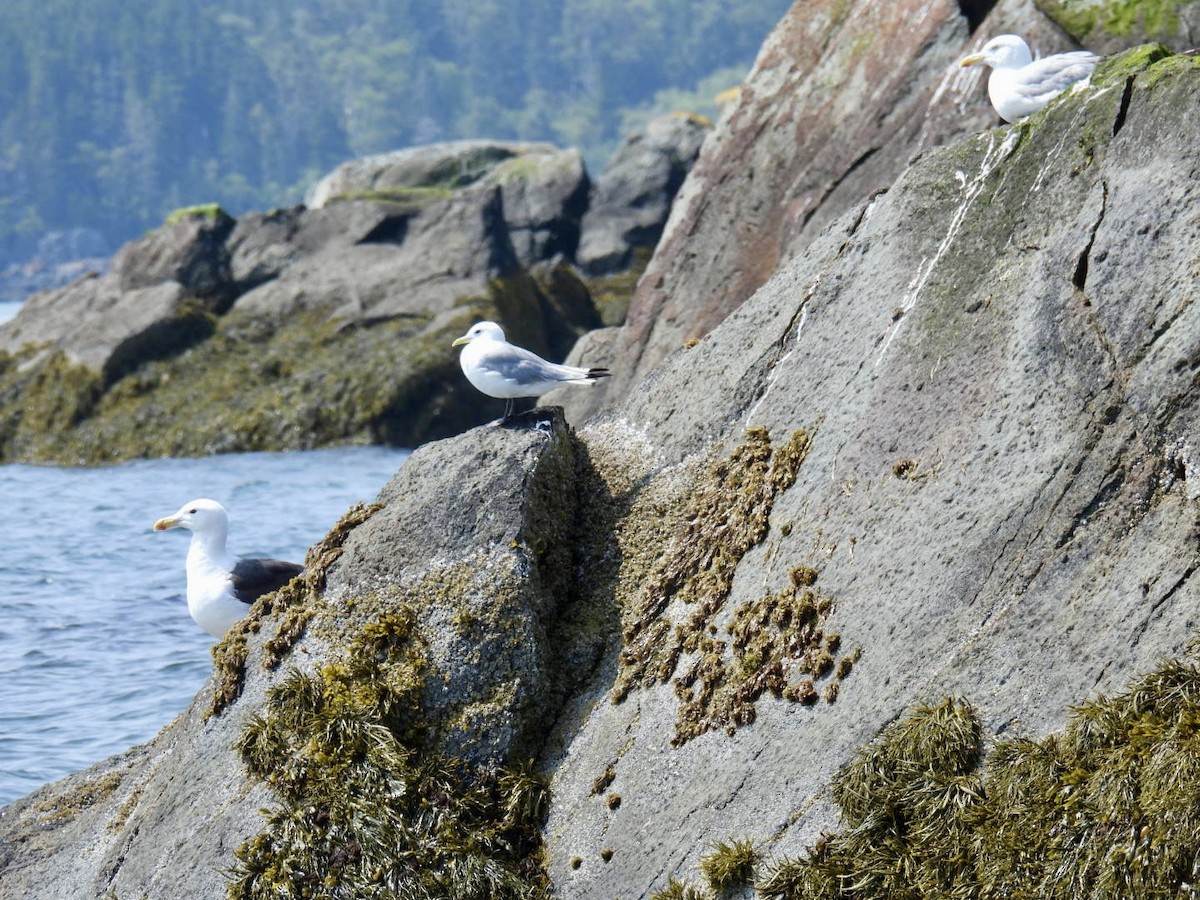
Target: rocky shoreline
{"type": "Point", "coordinates": [331, 323]}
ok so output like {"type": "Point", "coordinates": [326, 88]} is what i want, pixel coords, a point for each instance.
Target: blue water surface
{"type": "Point", "coordinates": [97, 650]}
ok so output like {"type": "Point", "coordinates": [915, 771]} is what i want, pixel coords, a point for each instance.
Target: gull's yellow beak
{"type": "Point", "coordinates": [458, 342]}
{"type": "Point", "coordinates": [164, 524]}
{"type": "Point", "coordinates": [973, 60]}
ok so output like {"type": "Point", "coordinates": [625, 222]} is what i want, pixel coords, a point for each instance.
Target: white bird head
{"type": "Point", "coordinates": [1005, 51]}
{"type": "Point", "coordinates": [198, 516]}
{"type": "Point", "coordinates": [489, 330]}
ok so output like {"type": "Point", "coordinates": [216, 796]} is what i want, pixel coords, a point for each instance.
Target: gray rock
{"type": "Point", "coordinates": [995, 362]}
{"type": "Point", "coordinates": [190, 252]}
{"type": "Point", "coordinates": [492, 507]}
{"type": "Point", "coordinates": [833, 111]}
{"type": "Point", "coordinates": [262, 245]}
{"type": "Point", "coordinates": [111, 330]}
{"type": "Point", "coordinates": [543, 188]}
{"type": "Point", "coordinates": [444, 166]}
{"type": "Point", "coordinates": [632, 197]}
{"type": "Point", "coordinates": [362, 260]}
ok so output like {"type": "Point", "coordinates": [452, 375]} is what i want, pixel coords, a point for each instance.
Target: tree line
{"type": "Point", "coordinates": [113, 113]}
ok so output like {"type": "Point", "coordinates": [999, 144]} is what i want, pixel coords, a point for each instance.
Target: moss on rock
{"type": "Point", "coordinates": [414, 198]}
{"type": "Point", "coordinates": [730, 864]}
{"type": "Point", "coordinates": [209, 211]}
{"type": "Point", "coordinates": [1084, 19]}
{"type": "Point", "coordinates": [1132, 63]}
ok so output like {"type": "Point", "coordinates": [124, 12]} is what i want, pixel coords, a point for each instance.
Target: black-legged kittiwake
{"type": "Point", "coordinates": [1019, 86]}
{"type": "Point", "coordinates": [502, 370]}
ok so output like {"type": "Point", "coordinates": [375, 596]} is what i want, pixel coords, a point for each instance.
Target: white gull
{"type": "Point", "coordinates": [505, 371]}
{"type": "Point", "coordinates": [1019, 86]}
{"type": "Point", "coordinates": [221, 587]}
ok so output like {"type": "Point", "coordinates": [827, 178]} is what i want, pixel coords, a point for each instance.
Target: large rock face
{"type": "Point", "coordinates": [994, 363]}
{"type": "Point", "coordinates": [841, 98]}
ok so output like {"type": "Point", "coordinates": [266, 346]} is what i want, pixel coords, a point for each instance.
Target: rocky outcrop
{"type": "Point", "coordinates": [323, 324]}
{"type": "Point", "coordinates": [841, 98]}
{"type": "Point", "coordinates": [632, 197]}
{"type": "Point", "coordinates": [542, 189]}
{"type": "Point", "coordinates": [303, 327]}
{"type": "Point", "coordinates": [416, 667]}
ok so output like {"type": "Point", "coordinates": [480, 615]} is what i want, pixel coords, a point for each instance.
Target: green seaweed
{"type": "Point", "coordinates": [307, 382]}
{"type": "Point", "coordinates": [1106, 808]}
{"type": "Point", "coordinates": [365, 808]}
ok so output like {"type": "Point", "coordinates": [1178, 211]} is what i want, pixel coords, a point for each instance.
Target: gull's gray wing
{"type": "Point", "coordinates": [254, 577]}
{"type": "Point", "coordinates": [521, 366]}
{"type": "Point", "coordinates": [1054, 74]}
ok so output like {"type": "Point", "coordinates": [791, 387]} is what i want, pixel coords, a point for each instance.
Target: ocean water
{"type": "Point", "coordinates": [8, 310]}
{"type": "Point", "coordinates": [97, 650]}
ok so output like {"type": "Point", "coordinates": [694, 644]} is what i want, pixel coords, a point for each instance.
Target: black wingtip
{"type": "Point", "coordinates": [598, 373]}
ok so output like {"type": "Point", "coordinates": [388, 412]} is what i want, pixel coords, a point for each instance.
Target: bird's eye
{"type": "Point", "coordinates": [191, 512]}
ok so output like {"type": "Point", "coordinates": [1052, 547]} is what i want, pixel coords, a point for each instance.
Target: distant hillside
{"type": "Point", "coordinates": [112, 117]}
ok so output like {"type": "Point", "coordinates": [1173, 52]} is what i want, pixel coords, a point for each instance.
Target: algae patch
{"type": "Point", "coordinates": [723, 662]}
{"type": "Point", "coordinates": [65, 806]}
{"type": "Point", "coordinates": [365, 811]}
{"type": "Point", "coordinates": [1105, 809]}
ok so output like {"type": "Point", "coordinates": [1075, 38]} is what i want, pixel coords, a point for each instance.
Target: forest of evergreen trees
{"type": "Point", "coordinates": [113, 113]}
